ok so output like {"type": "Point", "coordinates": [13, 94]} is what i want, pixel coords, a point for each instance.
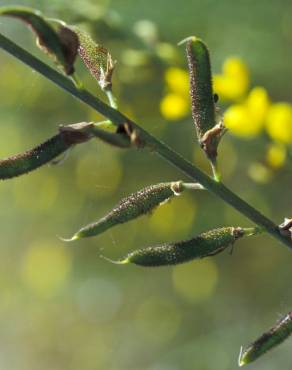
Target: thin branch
{"type": "Point", "coordinates": [157, 146]}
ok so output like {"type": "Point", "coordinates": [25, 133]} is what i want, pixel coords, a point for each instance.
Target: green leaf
{"type": "Point", "coordinates": [54, 38]}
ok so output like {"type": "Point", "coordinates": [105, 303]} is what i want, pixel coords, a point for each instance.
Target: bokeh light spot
{"type": "Point", "coordinates": [174, 217]}
{"type": "Point", "coordinates": [276, 155]}
{"type": "Point", "coordinates": [98, 300]}
{"type": "Point", "coordinates": [195, 281]}
{"type": "Point", "coordinates": [259, 173]}
{"type": "Point", "coordinates": [99, 177]}
{"type": "Point", "coordinates": [37, 192]}
{"type": "Point", "coordinates": [45, 268]}
{"type": "Point", "coordinates": [158, 320]}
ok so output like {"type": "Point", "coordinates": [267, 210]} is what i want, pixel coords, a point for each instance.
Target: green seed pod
{"type": "Point", "coordinates": [44, 153]}
{"type": "Point", "coordinates": [96, 58]}
{"type": "Point", "coordinates": [270, 339]}
{"type": "Point", "coordinates": [203, 245]}
{"type": "Point", "coordinates": [131, 207]}
{"type": "Point", "coordinates": [30, 160]}
{"type": "Point", "coordinates": [209, 131]}
{"type": "Point", "coordinates": [55, 39]}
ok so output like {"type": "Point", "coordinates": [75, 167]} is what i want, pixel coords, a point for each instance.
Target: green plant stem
{"type": "Point", "coordinates": [111, 98]}
{"type": "Point", "coordinates": [215, 170]}
{"type": "Point", "coordinates": [157, 146]}
{"type": "Point", "coordinates": [76, 80]}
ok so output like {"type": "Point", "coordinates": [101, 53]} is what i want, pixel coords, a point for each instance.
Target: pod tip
{"type": "Point", "coordinates": [118, 262]}
{"type": "Point", "coordinates": [250, 231]}
{"type": "Point", "coordinates": [67, 240]}
{"type": "Point", "coordinates": [187, 39]}
{"type": "Point", "coordinates": [241, 361]}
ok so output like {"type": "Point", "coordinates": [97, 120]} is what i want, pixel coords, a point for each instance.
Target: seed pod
{"type": "Point", "coordinates": [54, 38]}
{"type": "Point", "coordinates": [131, 207]}
{"type": "Point", "coordinates": [96, 58]}
{"type": "Point", "coordinates": [270, 339]}
{"type": "Point", "coordinates": [209, 131]}
{"type": "Point", "coordinates": [203, 245]}
{"type": "Point", "coordinates": [44, 153]}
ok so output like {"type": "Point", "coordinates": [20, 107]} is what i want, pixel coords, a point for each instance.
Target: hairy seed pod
{"type": "Point", "coordinates": [54, 38]}
{"type": "Point", "coordinates": [131, 207]}
{"type": "Point", "coordinates": [44, 153]}
{"type": "Point", "coordinates": [209, 131]}
{"type": "Point", "coordinates": [270, 339]}
{"type": "Point", "coordinates": [30, 160]}
{"type": "Point", "coordinates": [203, 107]}
{"type": "Point", "coordinates": [204, 245]}
{"type": "Point", "coordinates": [96, 58]}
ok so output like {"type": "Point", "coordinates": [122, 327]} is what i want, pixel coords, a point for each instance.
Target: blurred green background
{"type": "Point", "coordinates": [62, 306]}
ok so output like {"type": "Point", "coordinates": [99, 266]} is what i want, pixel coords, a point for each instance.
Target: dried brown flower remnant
{"type": "Point", "coordinates": [286, 227]}
{"type": "Point", "coordinates": [54, 38]}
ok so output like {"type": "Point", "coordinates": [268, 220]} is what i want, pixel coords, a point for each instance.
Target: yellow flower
{"type": "Point", "coordinates": [177, 80]}
{"type": "Point", "coordinates": [247, 119]}
{"type": "Point", "coordinates": [279, 122]}
{"type": "Point", "coordinates": [233, 83]}
{"type": "Point", "coordinates": [276, 155]}
{"type": "Point", "coordinates": [258, 103]}
{"type": "Point", "coordinates": [174, 106]}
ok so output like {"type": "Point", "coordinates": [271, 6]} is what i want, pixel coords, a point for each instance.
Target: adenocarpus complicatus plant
{"type": "Point", "coordinates": [63, 43]}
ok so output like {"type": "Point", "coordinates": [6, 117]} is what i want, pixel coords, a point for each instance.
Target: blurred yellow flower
{"type": "Point", "coordinates": [279, 122]}
{"type": "Point", "coordinates": [233, 83]}
{"type": "Point", "coordinates": [276, 155]}
{"type": "Point", "coordinates": [258, 103]}
{"type": "Point", "coordinates": [247, 119]}
{"type": "Point", "coordinates": [174, 106]}
{"type": "Point", "coordinates": [177, 80]}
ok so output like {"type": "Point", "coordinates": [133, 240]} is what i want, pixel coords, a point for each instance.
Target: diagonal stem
{"type": "Point", "coordinates": [156, 145]}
